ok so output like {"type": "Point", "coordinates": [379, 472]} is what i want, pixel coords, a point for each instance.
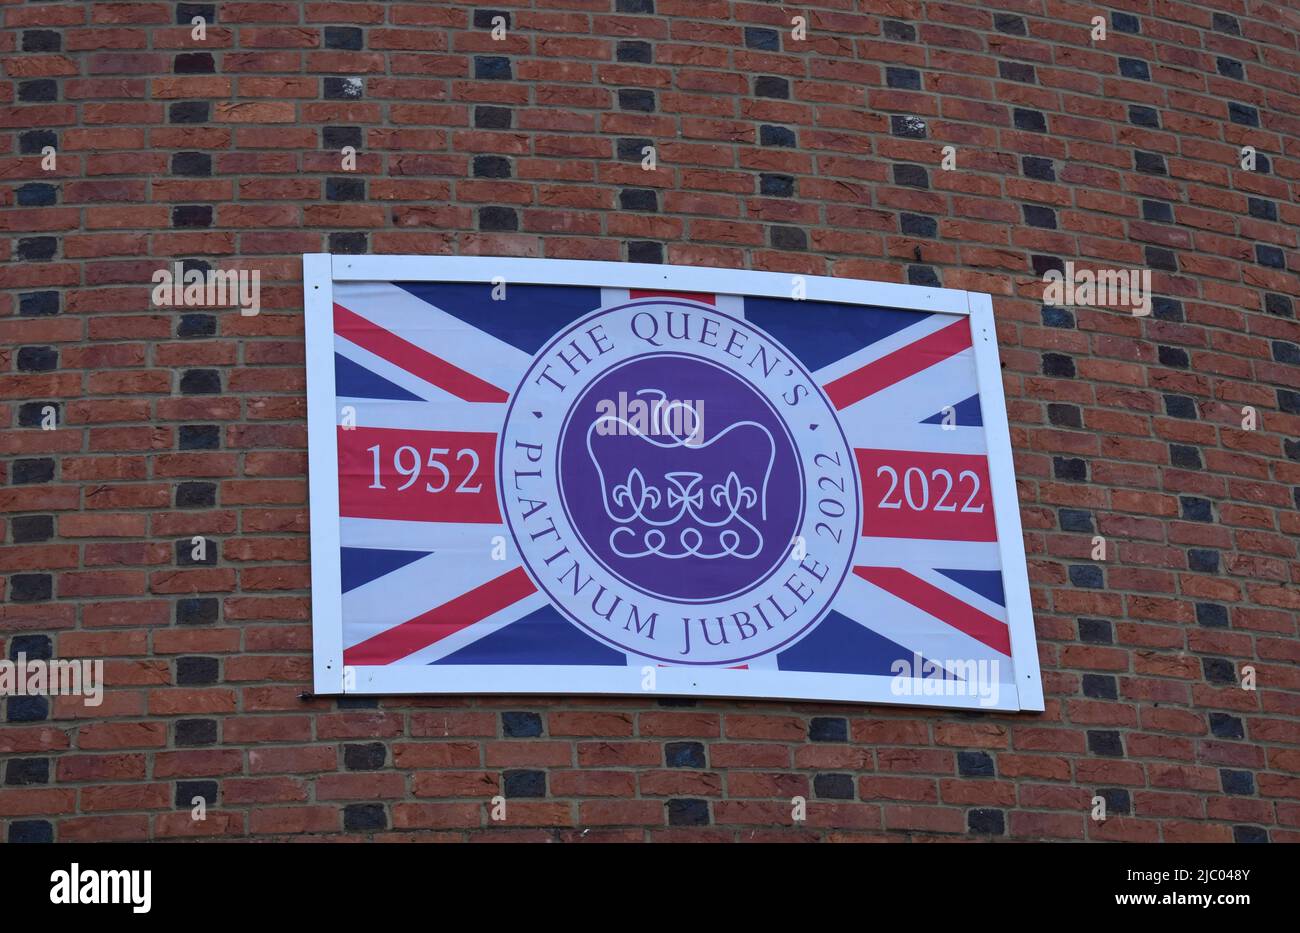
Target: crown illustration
{"type": "Point", "coordinates": [676, 496]}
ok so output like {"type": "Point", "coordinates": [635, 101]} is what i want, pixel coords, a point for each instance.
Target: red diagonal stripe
{"type": "Point", "coordinates": [635, 293]}
{"type": "Point", "coordinates": [943, 606]}
{"type": "Point", "coordinates": [419, 362]}
{"type": "Point", "coordinates": [447, 619]}
{"type": "Point", "coordinates": [897, 366]}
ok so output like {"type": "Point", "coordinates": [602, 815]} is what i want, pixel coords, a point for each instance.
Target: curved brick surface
{"type": "Point", "coordinates": [820, 155]}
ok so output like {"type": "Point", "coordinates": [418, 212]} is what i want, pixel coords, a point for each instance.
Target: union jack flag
{"type": "Point", "coordinates": [424, 372]}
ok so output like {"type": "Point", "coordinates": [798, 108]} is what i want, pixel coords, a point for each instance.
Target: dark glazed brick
{"type": "Point", "coordinates": [196, 732]}
{"type": "Point", "coordinates": [1157, 212]}
{"type": "Point", "coordinates": [833, 786]}
{"type": "Point", "coordinates": [986, 822]}
{"type": "Point", "coordinates": [1230, 68]}
{"type": "Point", "coordinates": [1030, 120]}
{"type": "Point", "coordinates": [1105, 743]}
{"type": "Point", "coordinates": [633, 51]}
{"type": "Point", "coordinates": [1224, 23]}
{"type": "Point", "coordinates": [37, 248]}
{"type": "Point", "coordinates": [636, 100]}
{"type": "Point", "coordinates": [898, 31]}
{"type": "Point", "coordinates": [492, 68]}
{"type": "Point", "coordinates": [31, 831]}
{"type": "Point", "coordinates": [488, 19]}
{"type": "Point", "coordinates": [688, 813]}
{"type": "Point", "coordinates": [343, 37]}
{"type": "Point", "coordinates": [1039, 168]}
{"type": "Point", "coordinates": [1212, 615]}
{"type": "Point", "coordinates": [24, 771]}
{"type": "Point", "coordinates": [1125, 22]}
{"type": "Point", "coordinates": [1118, 801]}
{"type": "Point", "coordinates": [348, 243]}
{"type": "Point", "coordinates": [524, 784]}
{"type": "Point", "coordinates": [194, 63]}
{"type": "Point", "coordinates": [498, 218]}
{"type": "Point", "coordinates": [1134, 69]}
{"type": "Point", "coordinates": [200, 382]}
{"type": "Point", "coordinates": [645, 251]}
{"type": "Point", "coordinates": [192, 672]}
{"type": "Point", "coordinates": [907, 127]}
{"type": "Point", "coordinates": [34, 141]}
{"type": "Point", "coordinates": [1017, 71]}
{"type": "Point", "coordinates": [365, 817]}
{"type": "Point", "coordinates": [1151, 163]}
{"type": "Point", "coordinates": [192, 215]}
{"type": "Point", "coordinates": [1010, 24]}
{"type": "Point", "coordinates": [1100, 687]}
{"type": "Point", "coordinates": [1087, 576]}
{"type": "Point", "coordinates": [37, 195]}
{"type": "Point", "coordinates": [975, 764]}
{"type": "Point", "coordinates": [828, 729]}
{"type": "Point", "coordinates": [1202, 560]}
{"type": "Point", "coordinates": [491, 167]}
{"type": "Point", "coordinates": [186, 12]}
{"type": "Point", "coordinates": [345, 189]}
{"type": "Point", "coordinates": [38, 304]}
{"type": "Point", "coordinates": [1226, 726]}
{"type": "Point", "coordinates": [629, 149]}
{"type": "Point", "coordinates": [198, 610]}
{"type": "Point", "coordinates": [911, 176]}
{"type": "Point", "coordinates": [918, 225]}
{"type": "Point", "coordinates": [189, 111]}
{"type": "Point", "coordinates": [41, 40]}
{"type": "Point", "coordinates": [196, 495]}
{"type": "Point", "coordinates": [27, 529]}
{"type": "Point", "coordinates": [907, 79]}
{"type": "Point", "coordinates": [684, 755]}
{"type": "Point", "coordinates": [1064, 416]}
{"type": "Point", "coordinates": [188, 791]}
{"type": "Point", "coordinates": [1095, 632]}
{"type": "Point", "coordinates": [42, 90]}
{"type": "Point", "coordinates": [757, 37]}
{"type": "Point", "coordinates": [923, 275]}
{"type": "Point", "coordinates": [776, 136]}
{"type": "Point", "coordinates": [198, 437]}
{"type": "Point", "coordinates": [31, 587]}
{"type": "Point", "coordinates": [638, 199]}
{"type": "Point", "coordinates": [776, 186]}
{"type": "Point", "coordinates": [1076, 520]}
{"type": "Point", "coordinates": [34, 470]}
{"type": "Point", "coordinates": [792, 238]}
{"type": "Point", "coordinates": [1144, 116]}
{"type": "Point", "coordinates": [521, 725]}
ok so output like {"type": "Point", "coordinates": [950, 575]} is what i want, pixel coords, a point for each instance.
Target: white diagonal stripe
{"type": "Point", "coordinates": [435, 331]}
{"type": "Point", "coordinates": [926, 325]}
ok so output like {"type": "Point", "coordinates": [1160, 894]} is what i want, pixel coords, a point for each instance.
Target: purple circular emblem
{"type": "Point", "coordinates": [680, 478]}
{"type": "Point", "coordinates": [677, 483]}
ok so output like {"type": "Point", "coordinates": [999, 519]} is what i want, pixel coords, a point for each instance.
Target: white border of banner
{"type": "Point", "coordinates": [322, 270]}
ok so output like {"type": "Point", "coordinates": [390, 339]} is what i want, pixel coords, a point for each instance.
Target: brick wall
{"type": "Point", "coordinates": [816, 156]}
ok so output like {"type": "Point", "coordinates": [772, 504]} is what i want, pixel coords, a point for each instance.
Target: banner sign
{"type": "Point", "coordinates": [545, 476]}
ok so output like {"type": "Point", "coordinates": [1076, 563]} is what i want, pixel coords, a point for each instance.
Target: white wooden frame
{"type": "Point", "coordinates": [321, 270]}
